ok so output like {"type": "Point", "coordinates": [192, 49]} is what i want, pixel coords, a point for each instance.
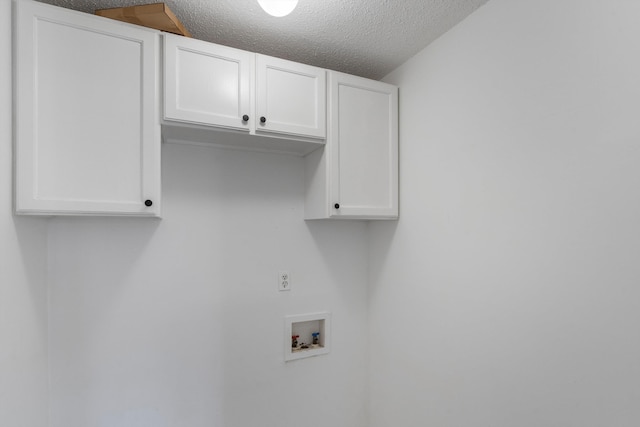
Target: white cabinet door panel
{"type": "Point", "coordinates": [87, 131]}
{"type": "Point", "coordinates": [206, 84]}
{"type": "Point", "coordinates": [356, 175]}
{"type": "Point", "coordinates": [364, 147]}
{"type": "Point", "coordinates": [291, 97]}
{"type": "Point", "coordinates": [363, 156]}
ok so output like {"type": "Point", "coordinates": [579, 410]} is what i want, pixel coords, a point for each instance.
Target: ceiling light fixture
{"type": "Point", "coordinates": [278, 8]}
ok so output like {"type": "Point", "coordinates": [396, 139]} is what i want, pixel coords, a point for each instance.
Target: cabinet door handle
{"type": "Point", "coordinates": [337, 206]}
{"type": "Point", "coordinates": [263, 119]}
{"type": "Point", "coordinates": [148, 202]}
{"type": "Point", "coordinates": [245, 118]}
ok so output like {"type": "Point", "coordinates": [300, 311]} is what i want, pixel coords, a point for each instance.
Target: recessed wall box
{"type": "Point", "coordinates": [307, 335]}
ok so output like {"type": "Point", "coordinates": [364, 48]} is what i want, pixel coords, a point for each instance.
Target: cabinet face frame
{"type": "Point", "coordinates": [28, 16]}
{"type": "Point", "coordinates": [174, 47]}
{"type": "Point", "coordinates": [270, 92]}
{"type": "Point", "coordinates": [349, 208]}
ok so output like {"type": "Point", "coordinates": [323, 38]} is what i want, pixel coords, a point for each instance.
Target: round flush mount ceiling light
{"type": "Point", "coordinates": [278, 7]}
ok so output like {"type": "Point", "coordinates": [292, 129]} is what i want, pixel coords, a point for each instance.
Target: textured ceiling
{"type": "Point", "coordinates": [368, 38]}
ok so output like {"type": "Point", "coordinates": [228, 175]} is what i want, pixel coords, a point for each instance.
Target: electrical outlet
{"type": "Point", "coordinates": [284, 281]}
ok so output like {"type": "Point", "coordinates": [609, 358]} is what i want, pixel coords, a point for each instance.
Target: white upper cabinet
{"type": "Point", "coordinates": [87, 129]}
{"type": "Point", "coordinates": [87, 117]}
{"type": "Point", "coordinates": [213, 86]}
{"type": "Point", "coordinates": [356, 175]}
{"type": "Point", "coordinates": [207, 84]}
{"type": "Point", "coordinates": [290, 98]}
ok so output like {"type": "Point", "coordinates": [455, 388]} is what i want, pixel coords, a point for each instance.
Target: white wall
{"type": "Point", "coordinates": [507, 294]}
{"type": "Point", "coordinates": [179, 322]}
{"type": "Point", "coordinates": [23, 331]}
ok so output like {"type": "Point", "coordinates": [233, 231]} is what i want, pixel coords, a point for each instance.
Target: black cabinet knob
{"type": "Point", "coordinates": [245, 118]}
{"type": "Point", "coordinates": [148, 203]}
{"type": "Point", "coordinates": [337, 206]}
{"type": "Point", "coordinates": [263, 119]}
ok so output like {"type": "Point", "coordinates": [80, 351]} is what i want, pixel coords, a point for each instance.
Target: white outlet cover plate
{"type": "Point", "coordinates": [284, 281]}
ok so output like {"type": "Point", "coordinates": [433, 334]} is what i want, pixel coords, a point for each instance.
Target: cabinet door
{"type": "Point", "coordinates": [291, 98]}
{"type": "Point", "coordinates": [363, 148]}
{"type": "Point", "coordinates": [206, 84]}
{"type": "Point", "coordinates": [87, 125]}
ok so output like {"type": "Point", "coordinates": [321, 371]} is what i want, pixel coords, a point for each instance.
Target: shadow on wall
{"type": "Point", "coordinates": [101, 247]}
{"type": "Point", "coordinates": [381, 237]}
{"type": "Point", "coordinates": [341, 244]}
{"type": "Point", "coordinates": [31, 237]}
